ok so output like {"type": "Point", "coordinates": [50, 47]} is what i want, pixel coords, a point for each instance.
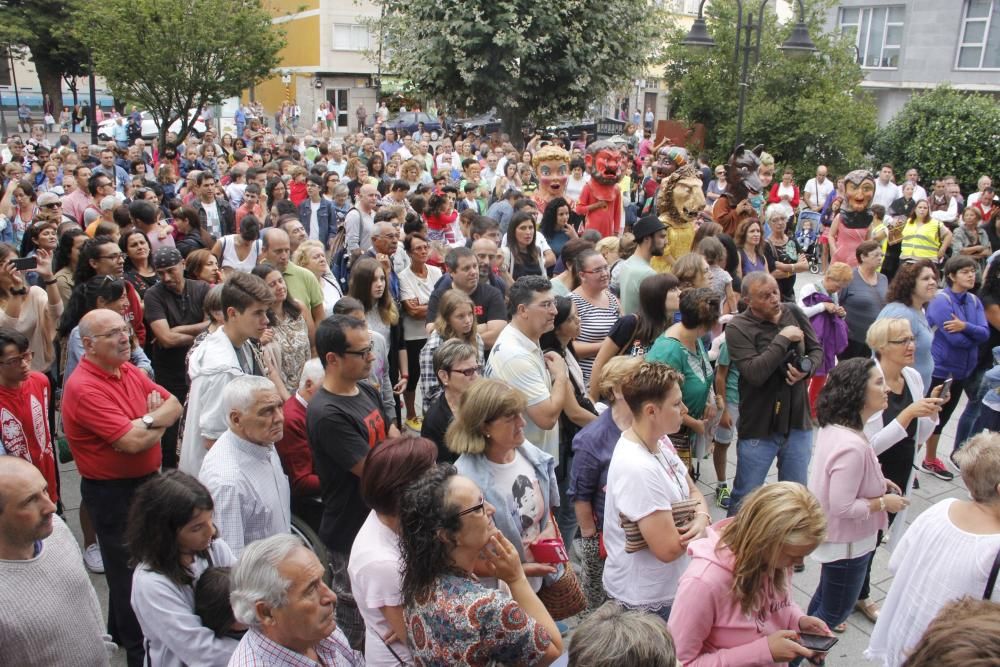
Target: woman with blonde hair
{"type": "Point", "coordinates": [737, 592]}
{"type": "Point", "coordinates": [311, 255]}
{"type": "Point", "coordinates": [898, 431]}
{"type": "Point", "coordinates": [593, 447]}
{"type": "Point", "coordinates": [514, 474]}
{"type": "Point", "coordinates": [455, 319]}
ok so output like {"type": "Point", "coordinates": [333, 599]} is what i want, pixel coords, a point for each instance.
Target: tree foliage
{"type": "Point", "coordinates": [943, 132]}
{"type": "Point", "coordinates": [171, 56]}
{"type": "Point", "coordinates": [805, 111]}
{"type": "Point", "coordinates": [40, 26]}
{"type": "Point", "coordinates": [541, 61]}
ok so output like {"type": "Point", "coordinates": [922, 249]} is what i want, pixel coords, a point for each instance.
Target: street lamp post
{"type": "Point", "coordinates": [797, 44]}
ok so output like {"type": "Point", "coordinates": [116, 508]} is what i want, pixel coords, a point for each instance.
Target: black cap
{"type": "Point", "coordinates": [646, 226]}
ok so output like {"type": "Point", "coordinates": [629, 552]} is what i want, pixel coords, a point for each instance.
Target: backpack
{"type": "Point", "coordinates": [340, 256]}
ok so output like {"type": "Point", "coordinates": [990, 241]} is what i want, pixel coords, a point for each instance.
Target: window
{"type": "Point", "coordinates": [349, 37]}
{"type": "Point", "coordinates": [979, 46]}
{"type": "Point", "coordinates": [877, 33]}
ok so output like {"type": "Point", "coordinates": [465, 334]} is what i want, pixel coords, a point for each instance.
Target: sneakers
{"type": "Point", "coordinates": [722, 496]}
{"type": "Point", "coordinates": [936, 468]}
{"type": "Point", "coordinates": [414, 423]}
{"type": "Point", "coordinates": [951, 457]}
{"type": "Point", "coordinates": [92, 559]}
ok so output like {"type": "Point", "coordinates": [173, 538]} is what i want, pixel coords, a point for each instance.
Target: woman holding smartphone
{"type": "Point", "coordinates": [737, 592]}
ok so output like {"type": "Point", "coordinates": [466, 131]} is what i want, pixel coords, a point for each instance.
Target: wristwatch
{"type": "Point", "coordinates": [148, 420]}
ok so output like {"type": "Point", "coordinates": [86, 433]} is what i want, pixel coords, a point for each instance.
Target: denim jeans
{"type": "Point", "coordinates": [754, 457]}
{"type": "Point", "coordinates": [975, 390]}
{"type": "Point", "coordinates": [839, 586]}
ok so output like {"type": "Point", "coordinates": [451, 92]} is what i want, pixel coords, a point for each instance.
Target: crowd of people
{"type": "Point", "coordinates": [369, 400]}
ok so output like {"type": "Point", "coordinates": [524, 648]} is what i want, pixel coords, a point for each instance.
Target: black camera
{"type": "Point", "coordinates": [798, 362]}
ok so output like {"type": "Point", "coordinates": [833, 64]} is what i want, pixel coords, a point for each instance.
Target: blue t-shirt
{"type": "Point", "coordinates": [923, 360]}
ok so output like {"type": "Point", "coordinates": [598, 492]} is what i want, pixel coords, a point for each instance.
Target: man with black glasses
{"type": "Point", "coordinates": [344, 420]}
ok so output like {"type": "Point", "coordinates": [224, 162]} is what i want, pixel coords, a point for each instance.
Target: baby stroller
{"type": "Point", "coordinates": [808, 237]}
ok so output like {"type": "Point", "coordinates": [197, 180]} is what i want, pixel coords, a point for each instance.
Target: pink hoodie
{"type": "Point", "coordinates": [708, 628]}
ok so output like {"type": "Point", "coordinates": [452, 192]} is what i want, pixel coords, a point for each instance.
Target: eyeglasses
{"type": "Point", "coordinates": [467, 372]}
{"type": "Point", "coordinates": [480, 508]}
{"type": "Point", "coordinates": [19, 359]}
{"type": "Point", "coordinates": [363, 353]}
{"type": "Point", "coordinates": [56, 205]}
{"type": "Point", "coordinates": [545, 305]}
{"type": "Point", "coordinates": [909, 340]}
{"type": "Point", "coordinates": [114, 333]}
{"type": "Point", "coordinates": [114, 258]}
{"type": "Point", "coordinates": [599, 270]}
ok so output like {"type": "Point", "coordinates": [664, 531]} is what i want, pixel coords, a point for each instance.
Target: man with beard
{"type": "Point", "coordinates": [651, 239]}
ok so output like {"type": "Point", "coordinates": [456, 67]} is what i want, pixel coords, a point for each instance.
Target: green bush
{"type": "Point", "coordinates": [942, 132]}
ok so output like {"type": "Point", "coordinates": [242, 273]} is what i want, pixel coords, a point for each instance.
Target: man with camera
{"type": "Point", "coordinates": [775, 349]}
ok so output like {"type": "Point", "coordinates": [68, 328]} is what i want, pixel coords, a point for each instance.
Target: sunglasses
{"type": "Point", "coordinates": [467, 372]}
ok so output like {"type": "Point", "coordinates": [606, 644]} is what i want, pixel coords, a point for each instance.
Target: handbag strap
{"type": "Point", "coordinates": [991, 582]}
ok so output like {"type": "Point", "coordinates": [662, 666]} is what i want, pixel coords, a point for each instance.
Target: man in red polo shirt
{"type": "Point", "coordinates": [114, 417]}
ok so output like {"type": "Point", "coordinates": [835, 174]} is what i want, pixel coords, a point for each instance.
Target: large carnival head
{"type": "Point", "coordinates": [551, 165]}
{"type": "Point", "coordinates": [681, 199]}
{"type": "Point", "coordinates": [669, 159]}
{"type": "Point", "coordinates": [741, 171]}
{"type": "Point", "coordinates": [604, 159]}
{"type": "Point", "coordinates": [859, 188]}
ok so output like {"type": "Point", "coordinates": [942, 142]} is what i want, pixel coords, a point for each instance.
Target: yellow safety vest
{"type": "Point", "coordinates": [921, 242]}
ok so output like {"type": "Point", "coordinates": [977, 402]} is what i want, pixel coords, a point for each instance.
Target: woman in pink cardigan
{"type": "Point", "coordinates": [847, 479]}
{"type": "Point", "coordinates": [736, 594]}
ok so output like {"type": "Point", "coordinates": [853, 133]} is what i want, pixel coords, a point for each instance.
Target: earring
{"type": "Point", "coordinates": [486, 435]}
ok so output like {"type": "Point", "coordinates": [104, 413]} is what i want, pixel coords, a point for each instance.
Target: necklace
{"type": "Point", "coordinates": [663, 464]}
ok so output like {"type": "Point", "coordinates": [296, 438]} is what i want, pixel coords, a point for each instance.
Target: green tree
{"type": "Point", "coordinates": [527, 59]}
{"type": "Point", "coordinates": [40, 27]}
{"type": "Point", "coordinates": [806, 111]}
{"type": "Point", "coordinates": [943, 132]}
{"type": "Point", "coordinates": [171, 56]}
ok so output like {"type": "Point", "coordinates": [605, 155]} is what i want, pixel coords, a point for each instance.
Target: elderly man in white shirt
{"type": "Point", "coordinates": [242, 470]}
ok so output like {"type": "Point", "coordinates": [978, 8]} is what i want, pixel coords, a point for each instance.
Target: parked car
{"type": "Point", "coordinates": [485, 123]}
{"type": "Point", "coordinates": [105, 131]}
{"type": "Point", "coordinates": [408, 122]}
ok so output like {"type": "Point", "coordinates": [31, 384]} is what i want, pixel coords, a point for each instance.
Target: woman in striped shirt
{"type": "Point", "coordinates": [598, 308]}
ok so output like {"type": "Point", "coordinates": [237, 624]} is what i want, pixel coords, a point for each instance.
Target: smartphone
{"type": "Point", "coordinates": [946, 389]}
{"type": "Point", "coordinates": [820, 643]}
{"type": "Point", "coordinates": [25, 263]}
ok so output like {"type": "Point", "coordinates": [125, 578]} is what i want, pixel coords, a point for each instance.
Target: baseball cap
{"type": "Point", "coordinates": [646, 226]}
{"type": "Point", "coordinates": [164, 258]}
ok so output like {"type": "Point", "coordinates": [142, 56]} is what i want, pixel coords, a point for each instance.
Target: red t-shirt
{"type": "Point", "coordinates": [293, 450]}
{"type": "Point", "coordinates": [24, 420]}
{"type": "Point", "coordinates": [98, 409]}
